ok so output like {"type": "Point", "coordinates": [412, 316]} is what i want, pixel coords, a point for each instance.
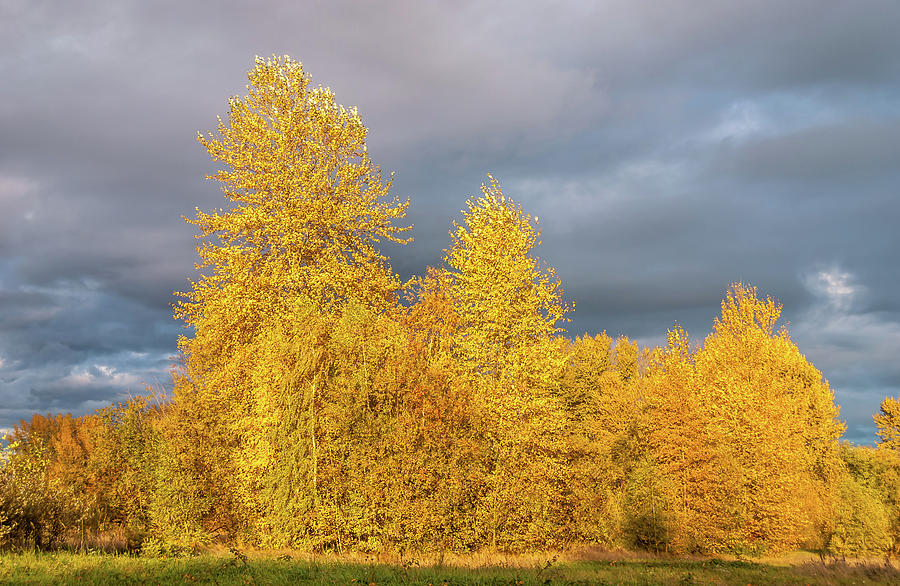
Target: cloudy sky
{"type": "Point", "coordinates": [668, 148]}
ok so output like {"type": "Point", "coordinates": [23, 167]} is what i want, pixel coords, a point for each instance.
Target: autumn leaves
{"type": "Point", "coordinates": [744, 430]}
{"type": "Point", "coordinates": [314, 382]}
{"type": "Point", "coordinates": [326, 405]}
{"type": "Point", "coordinates": [331, 404]}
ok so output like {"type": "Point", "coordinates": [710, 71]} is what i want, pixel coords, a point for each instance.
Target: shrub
{"type": "Point", "coordinates": [861, 524]}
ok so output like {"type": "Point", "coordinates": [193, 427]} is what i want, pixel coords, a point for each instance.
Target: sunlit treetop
{"type": "Point", "coordinates": [505, 297]}
{"type": "Point", "coordinates": [743, 311]}
{"type": "Point", "coordinates": [888, 422]}
{"type": "Point", "coordinates": [309, 206]}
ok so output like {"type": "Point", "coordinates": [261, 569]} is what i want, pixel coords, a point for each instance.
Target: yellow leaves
{"type": "Point", "coordinates": [504, 297]}
{"type": "Point", "coordinates": [308, 211]}
{"type": "Point", "coordinates": [332, 410]}
{"type": "Point", "coordinates": [888, 422]}
{"type": "Point", "coordinates": [309, 208]}
{"type": "Point", "coordinates": [743, 313]}
{"type": "Point", "coordinates": [310, 204]}
{"type": "Point", "coordinates": [745, 416]}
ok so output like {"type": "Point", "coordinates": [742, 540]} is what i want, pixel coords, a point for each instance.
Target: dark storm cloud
{"type": "Point", "coordinates": [668, 150]}
{"type": "Point", "coordinates": [853, 150]}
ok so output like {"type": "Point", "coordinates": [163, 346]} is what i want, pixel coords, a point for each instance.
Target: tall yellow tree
{"type": "Point", "coordinates": [678, 496]}
{"type": "Point", "coordinates": [508, 308]}
{"type": "Point", "coordinates": [888, 422]}
{"type": "Point", "coordinates": [308, 211]}
{"type": "Point", "coordinates": [777, 422]}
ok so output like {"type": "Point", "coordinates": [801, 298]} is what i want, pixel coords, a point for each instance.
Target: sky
{"type": "Point", "coordinates": [668, 148]}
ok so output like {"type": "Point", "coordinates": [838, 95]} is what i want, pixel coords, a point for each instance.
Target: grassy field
{"type": "Point", "coordinates": [296, 568]}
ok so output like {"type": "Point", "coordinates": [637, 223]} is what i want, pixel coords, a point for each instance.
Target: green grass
{"type": "Point", "coordinates": [70, 568]}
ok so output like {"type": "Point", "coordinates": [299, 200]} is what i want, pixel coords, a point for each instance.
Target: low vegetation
{"type": "Point", "coordinates": [293, 568]}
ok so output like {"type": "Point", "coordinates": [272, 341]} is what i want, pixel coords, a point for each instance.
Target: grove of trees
{"type": "Point", "coordinates": [322, 403]}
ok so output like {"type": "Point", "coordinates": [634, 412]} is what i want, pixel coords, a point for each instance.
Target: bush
{"type": "Point", "coordinates": [158, 548]}
{"type": "Point", "coordinates": [35, 509]}
{"type": "Point", "coordinates": [861, 524]}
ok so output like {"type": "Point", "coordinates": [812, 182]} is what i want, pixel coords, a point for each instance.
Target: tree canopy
{"type": "Point", "coordinates": [309, 208]}
{"type": "Point", "coordinates": [505, 299]}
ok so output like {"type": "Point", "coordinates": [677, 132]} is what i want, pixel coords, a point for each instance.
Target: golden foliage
{"type": "Point", "coordinates": [744, 429]}
{"type": "Point", "coordinates": [309, 209]}
{"type": "Point", "coordinates": [888, 422]}
{"type": "Point", "coordinates": [314, 409]}
{"type": "Point", "coordinates": [311, 206]}
{"type": "Point", "coordinates": [506, 301]}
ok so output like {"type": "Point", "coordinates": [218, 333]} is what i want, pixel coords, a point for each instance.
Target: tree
{"type": "Point", "coordinates": [601, 394]}
{"type": "Point", "coordinates": [686, 456]}
{"type": "Point", "coordinates": [742, 433]}
{"type": "Point", "coordinates": [309, 210]}
{"type": "Point", "coordinates": [776, 420]}
{"type": "Point", "coordinates": [35, 506]}
{"type": "Point", "coordinates": [507, 307]}
{"type": "Point", "coordinates": [858, 517]}
{"type": "Point", "coordinates": [861, 522]}
{"type": "Point", "coordinates": [888, 422]}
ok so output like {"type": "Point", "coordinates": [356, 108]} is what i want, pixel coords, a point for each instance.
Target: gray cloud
{"type": "Point", "coordinates": [668, 150]}
{"type": "Point", "coordinates": [855, 150]}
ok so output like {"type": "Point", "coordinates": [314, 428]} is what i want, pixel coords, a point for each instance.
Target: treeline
{"type": "Point", "coordinates": [355, 435]}
{"type": "Point", "coordinates": [324, 404]}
